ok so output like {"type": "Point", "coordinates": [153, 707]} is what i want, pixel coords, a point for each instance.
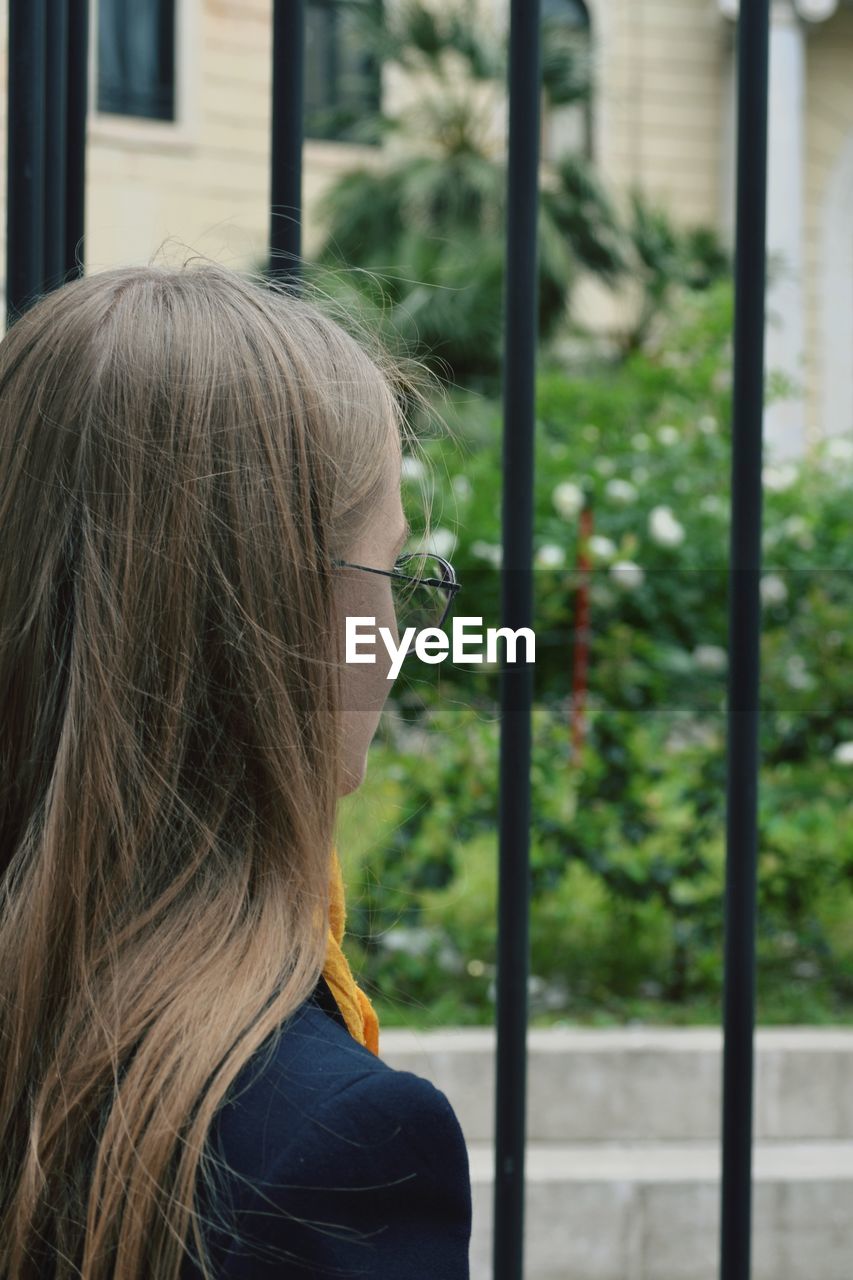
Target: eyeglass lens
{"type": "Point", "coordinates": [415, 603]}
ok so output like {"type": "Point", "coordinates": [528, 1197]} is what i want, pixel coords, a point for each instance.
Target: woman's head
{"type": "Point", "coordinates": [182, 454]}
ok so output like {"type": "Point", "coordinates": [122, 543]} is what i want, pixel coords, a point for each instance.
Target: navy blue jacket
{"type": "Point", "coordinates": [317, 1128]}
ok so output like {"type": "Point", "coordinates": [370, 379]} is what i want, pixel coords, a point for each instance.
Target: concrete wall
{"type": "Point", "coordinates": [661, 74]}
{"type": "Point", "coordinates": [659, 120]}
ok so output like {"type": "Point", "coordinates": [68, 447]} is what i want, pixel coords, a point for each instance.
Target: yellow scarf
{"type": "Point", "coordinates": [357, 1010]}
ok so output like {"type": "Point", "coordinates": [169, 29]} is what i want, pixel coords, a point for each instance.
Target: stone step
{"type": "Point", "coordinates": [639, 1083]}
{"type": "Point", "coordinates": [651, 1211]}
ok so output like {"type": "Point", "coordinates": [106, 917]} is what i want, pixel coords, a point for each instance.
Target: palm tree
{"type": "Point", "coordinates": [420, 241]}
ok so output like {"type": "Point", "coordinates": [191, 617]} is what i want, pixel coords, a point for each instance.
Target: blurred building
{"type": "Point", "coordinates": [664, 118]}
{"type": "Point", "coordinates": [179, 145]}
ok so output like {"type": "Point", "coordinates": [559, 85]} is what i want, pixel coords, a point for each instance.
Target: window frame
{"type": "Point", "coordinates": [317, 139]}
{"type": "Point", "coordinates": [551, 116]}
{"type": "Point", "coordinates": [142, 132]}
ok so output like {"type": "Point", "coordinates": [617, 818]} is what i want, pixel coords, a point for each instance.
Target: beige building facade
{"type": "Point", "coordinates": [663, 118]}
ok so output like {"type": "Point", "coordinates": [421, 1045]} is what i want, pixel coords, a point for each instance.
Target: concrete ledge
{"type": "Point", "coordinates": [651, 1211]}
{"type": "Point", "coordinates": [640, 1084]}
{"type": "Point", "coordinates": [622, 1167]}
{"type": "Point", "coordinates": [654, 1162]}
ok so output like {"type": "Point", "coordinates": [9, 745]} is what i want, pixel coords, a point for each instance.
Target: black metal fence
{"type": "Point", "coordinates": [47, 103]}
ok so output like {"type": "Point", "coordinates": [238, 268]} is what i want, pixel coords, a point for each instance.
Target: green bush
{"type": "Point", "coordinates": [627, 872]}
{"type": "Point", "coordinates": [627, 843]}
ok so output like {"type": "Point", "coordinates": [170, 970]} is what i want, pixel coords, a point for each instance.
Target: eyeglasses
{"type": "Point", "coordinates": [422, 598]}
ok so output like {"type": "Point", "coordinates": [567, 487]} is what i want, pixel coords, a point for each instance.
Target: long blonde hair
{"type": "Point", "coordinates": [181, 452]}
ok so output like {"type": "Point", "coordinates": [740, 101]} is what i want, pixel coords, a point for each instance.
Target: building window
{"type": "Point", "coordinates": [136, 58]}
{"type": "Point", "coordinates": [568, 125]}
{"type": "Point", "coordinates": [342, 72]}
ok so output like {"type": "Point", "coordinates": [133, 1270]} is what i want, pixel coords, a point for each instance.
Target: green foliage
{"type": "Point", "coordinates": [628, 841]}
{"type": "Point", "coordinates": [627, 873]}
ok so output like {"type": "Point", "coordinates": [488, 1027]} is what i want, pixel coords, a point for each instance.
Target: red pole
{"type": "Point", "coordinates": [581, 636]}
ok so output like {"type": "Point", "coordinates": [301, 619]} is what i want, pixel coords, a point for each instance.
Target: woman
{"type": "Point", "coordinates": [189, 1076]}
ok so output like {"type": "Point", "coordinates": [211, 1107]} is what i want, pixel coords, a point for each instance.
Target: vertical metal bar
{"type": "Point", "coordinates": [332, 69]}
{"type": "Point", "coordinates": [520, 340]}
{"type": "Point", "coordinates": [744, 638]}
{"type": "Point", "coordinates": [287, 127]}
{"type": "Point", "coordinates": [75, 172]}
{"type": "Point", "coordinates": [25, 156]}
{"type": "Point", "coordinates": [55, 152]}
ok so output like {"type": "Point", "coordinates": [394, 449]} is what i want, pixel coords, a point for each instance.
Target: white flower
{"type": "Point", "coordinates": [712, 505]}
{"type": "Point", "coordinates": [772, 589]}
{"type": "Point", "coordinates": [780, 477]}
{"type": "Point", "coordinates": [839, 449]}
{"type": "Point", "coordinates": [602, 598]}
{"type": "Point", "coordinates": [668, 435]}
{"type": "Point", "coordinates": [568, 499]}
{"type": "Point", "coordinates": [707, 424]}
{"type": "Point", "coordinates": [605, 466]}
{"type": "Point", "coordinates": [413, 941]}
{"type": "Point", "coordinates": [639, 476]}
{"type": "Point", "coordinates": [797, 675]}
{"type": "Point", "coordinates": [690, 733]}
{"type": "Point", "coordinates": [487, 551]}
{"type": "Point", "coordinates": [461, 486]}
{"type": "Point", "coordinates": [710, 657]}
{"type": "Point", "coordinates": [620, 491]}
{"type": "Point", "coordinates": [843, 753]}
{"type": "Point", "coordinates": [602, 548]}
{"type": "Point", "coordinates": [550, 556]}
{"type": "Point", "coordinates": [640, 442]}
{"type": "Point", "coordinates": [449, 959]}
{"type": "Point", "coordinates": [441, 542]}
{"type": "Point", "coordinates": [413, 468]}
{"type": "Point", "coordinates": [796, 527]}
{"type": "Point", "coordinates": [627, 575]}
{"type": "Point", "coordinates": [664, 528]}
